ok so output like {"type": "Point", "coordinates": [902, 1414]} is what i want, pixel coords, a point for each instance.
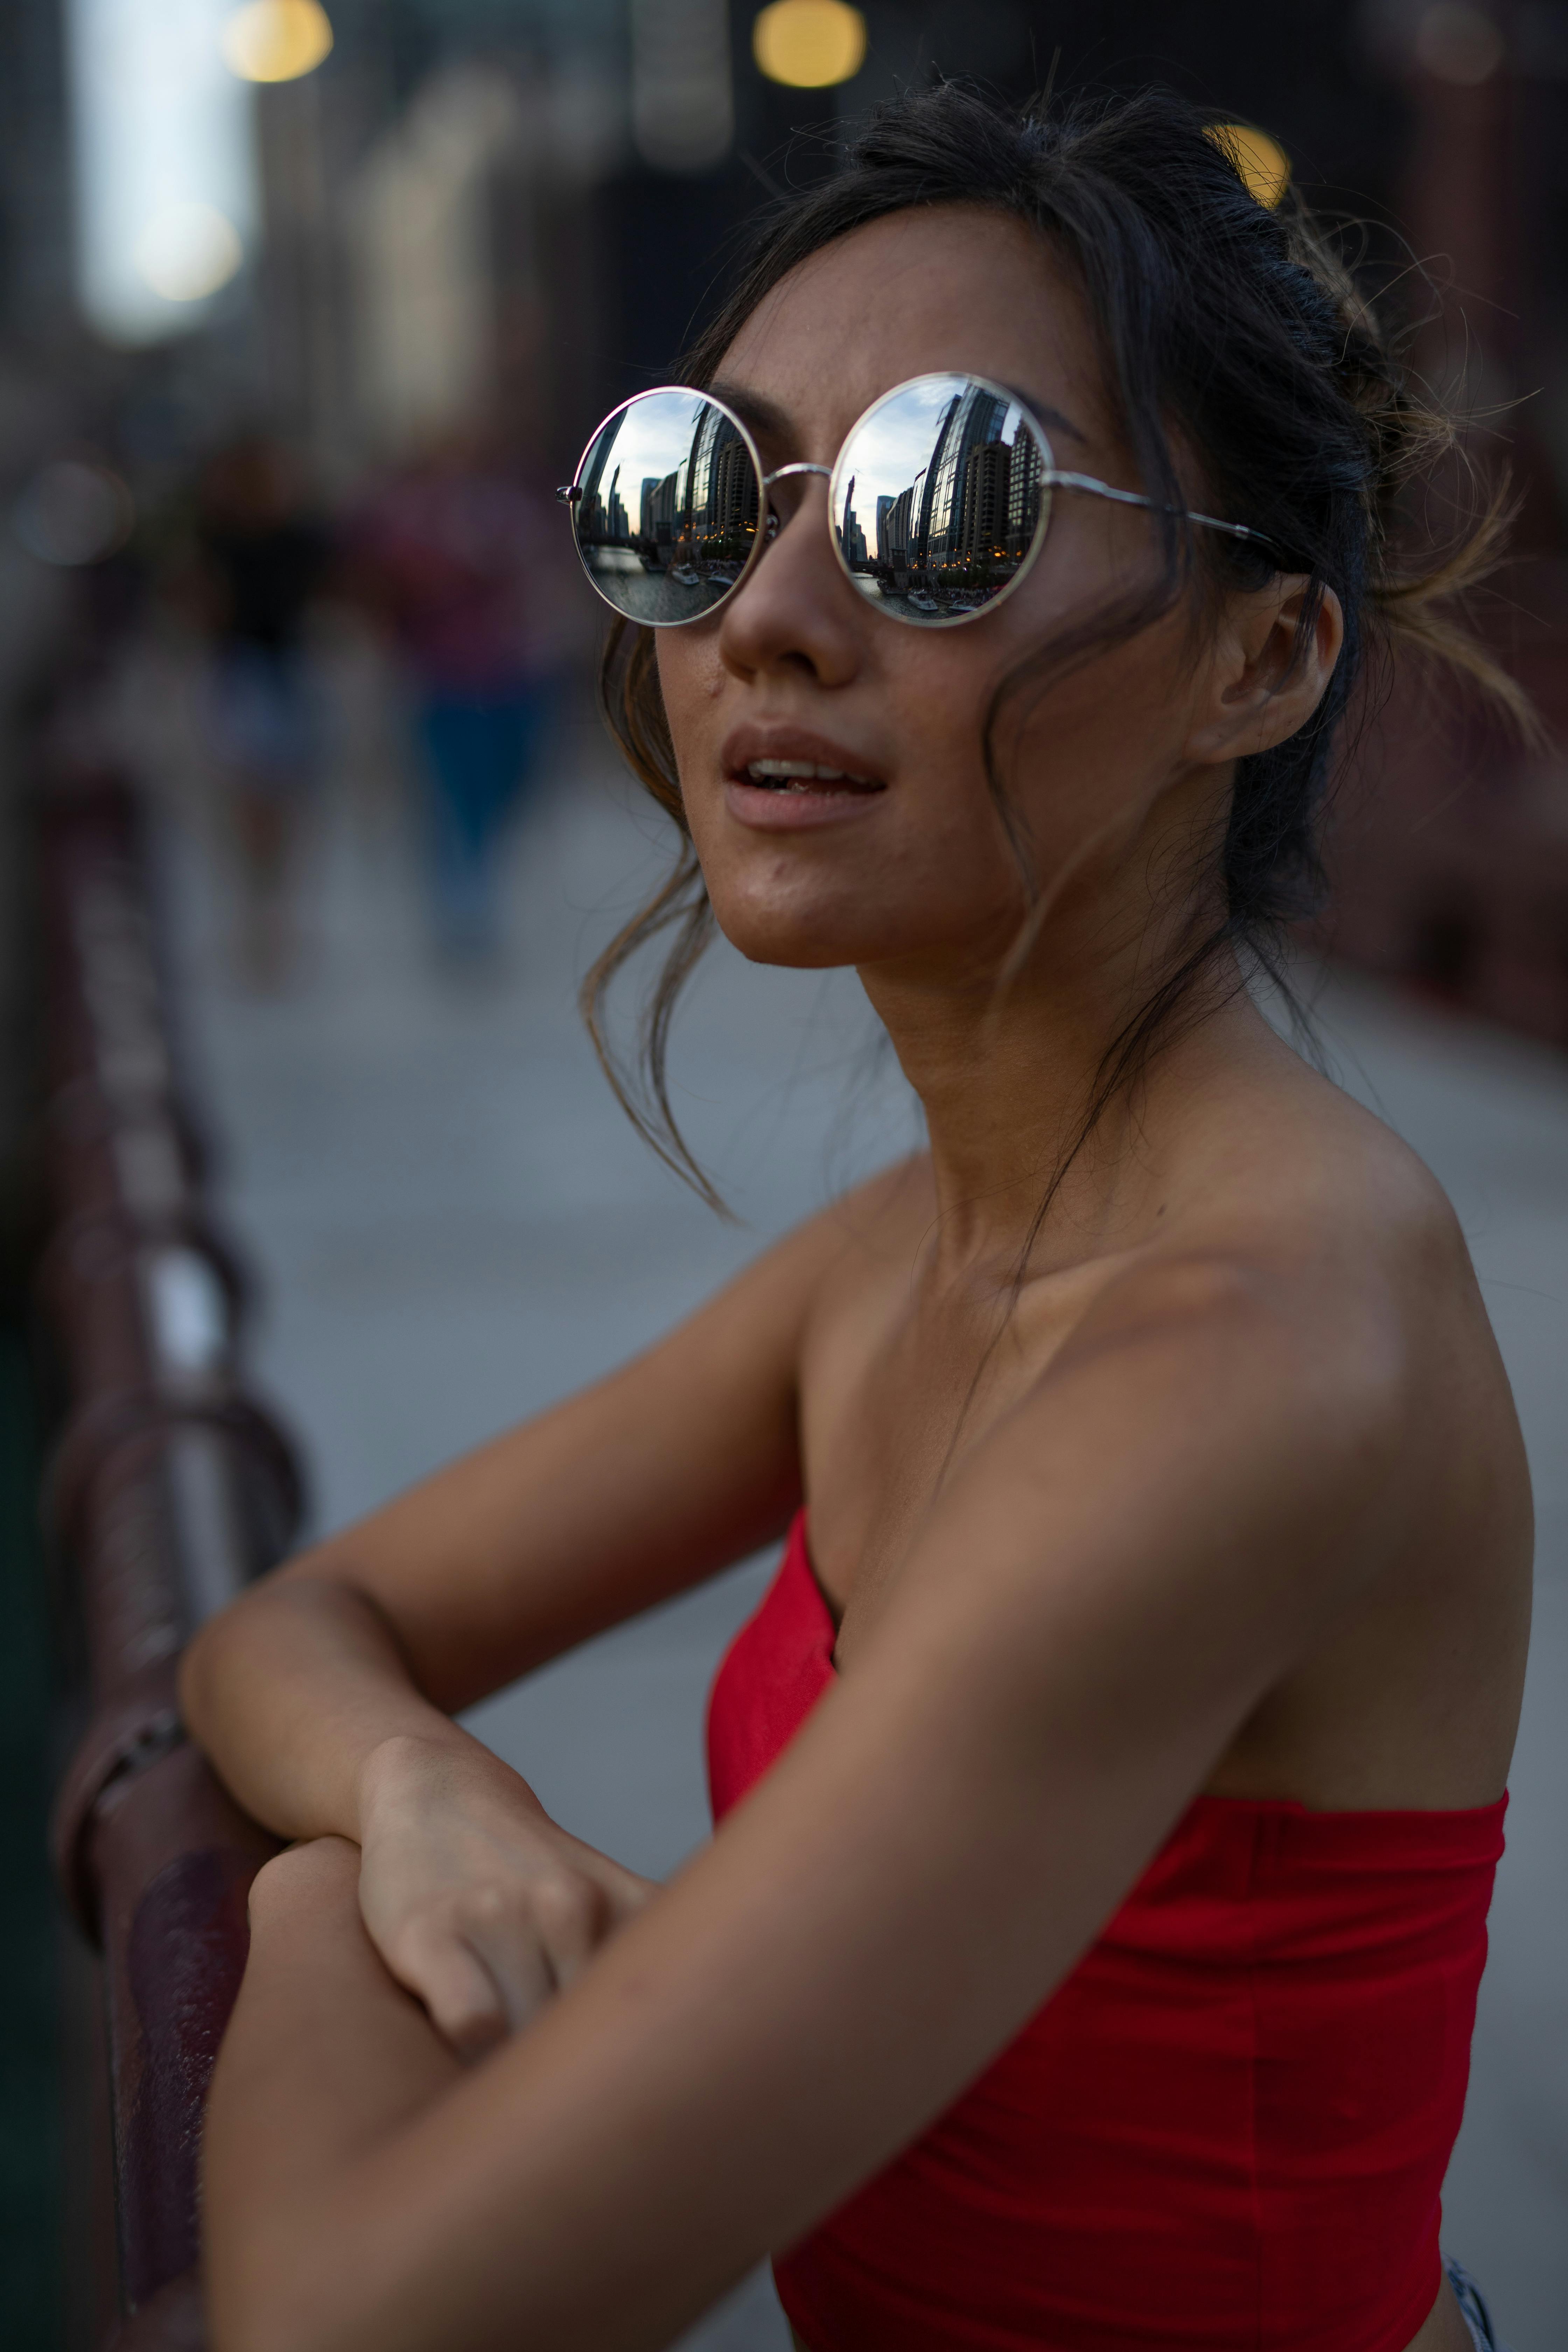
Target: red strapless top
{"type": "Point", "coordinates": [1226, 2131]}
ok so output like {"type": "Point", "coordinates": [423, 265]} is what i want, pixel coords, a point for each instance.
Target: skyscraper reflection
{"type": "Point", "coordinates": [697, 509]}
{"type": "Point", "coordinates": [954, 533]}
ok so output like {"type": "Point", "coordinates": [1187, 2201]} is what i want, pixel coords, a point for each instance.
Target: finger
{"type": "Point", "coordinates": [499, 1924]}
{"type": "Point", "coordinates": [466, 2006]}
{"type": "Point", "coordinates": [624, 1891]}
{"type": "Point", "coordinates": [573, 1913]}
{"type": "Point", "coordinates": [628, 1893]}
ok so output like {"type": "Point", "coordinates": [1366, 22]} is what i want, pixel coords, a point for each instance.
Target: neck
{"type": "Point", "coordinates": [1008, 1078]}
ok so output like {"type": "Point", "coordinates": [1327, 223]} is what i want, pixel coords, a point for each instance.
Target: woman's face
{"type": "Point", "coordinates": [905, 859]}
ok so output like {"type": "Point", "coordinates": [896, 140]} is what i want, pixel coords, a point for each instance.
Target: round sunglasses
{"type": "Point", "coordinates": [938, 502]}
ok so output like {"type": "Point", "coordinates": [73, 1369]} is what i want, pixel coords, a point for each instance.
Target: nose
{"type": "Point", "coordinates": [796, 611]}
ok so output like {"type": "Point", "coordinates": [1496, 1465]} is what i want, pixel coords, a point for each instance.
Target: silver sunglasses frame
{"type": "Point", "coordinates": [1052, 477]}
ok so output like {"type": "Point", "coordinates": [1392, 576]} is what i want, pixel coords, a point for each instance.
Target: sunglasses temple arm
{"type": "Point", "coordinates": [1135, 498]}
{"type": "Point", "coordinates": [1061, 481]}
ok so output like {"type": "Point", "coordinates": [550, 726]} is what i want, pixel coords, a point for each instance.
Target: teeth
{"type": "Point", "coordinates": [772, 772]}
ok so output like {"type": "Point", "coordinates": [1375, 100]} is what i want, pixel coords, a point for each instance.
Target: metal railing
{"type": "Point", "coordinates": [169, 1490]}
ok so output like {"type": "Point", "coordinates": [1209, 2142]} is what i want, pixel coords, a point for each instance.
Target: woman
{"type": "Point", "coordinates": [1112, 1780]}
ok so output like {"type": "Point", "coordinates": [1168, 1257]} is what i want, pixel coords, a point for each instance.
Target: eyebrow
{"type": "Point", "coordinates": [1049, 415]}
{"type": "Point", "coordinates": [764, 416]}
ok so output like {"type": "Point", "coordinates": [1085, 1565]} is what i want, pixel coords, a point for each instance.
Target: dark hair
{"type": "Point", "coordinates": [1231, 325]}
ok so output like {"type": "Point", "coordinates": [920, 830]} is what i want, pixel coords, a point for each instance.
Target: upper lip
{"type": "Point", "coordinates": [775, 739]}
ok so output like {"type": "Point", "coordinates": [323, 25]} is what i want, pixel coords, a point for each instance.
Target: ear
{"type": "Point", "coordinates": [1260, 689]}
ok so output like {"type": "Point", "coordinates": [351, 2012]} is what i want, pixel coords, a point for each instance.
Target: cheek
{"type": "Point", "coordinates": [690, 682]}
{"type": "Point", "coordinates": [1073, 750]}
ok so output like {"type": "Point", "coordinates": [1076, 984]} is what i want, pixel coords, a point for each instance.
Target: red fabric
{"type": "Point", "coordinates": [1228, 2127]}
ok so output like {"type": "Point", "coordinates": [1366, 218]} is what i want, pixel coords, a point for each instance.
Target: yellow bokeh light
{"type": "Point", "coordinates": [277, 40]}
{"type": "Point", "coordinates": [1261, 161]}
{"type": "Point", "coordinates": [809, 44]}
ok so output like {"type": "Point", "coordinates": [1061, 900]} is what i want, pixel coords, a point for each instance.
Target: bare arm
{"type": "Point", "coordinates": [323, 1696]}
{"type": "Point", "coordinates": [643, 1484]}
{"type": "Point", "coordinates": [1202, 1484]}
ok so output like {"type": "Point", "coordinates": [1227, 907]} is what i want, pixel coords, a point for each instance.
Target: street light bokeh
{"type": "Point", "coordinates": [277, 40]}
{"type": "Point", "coordinates": [809, 44]}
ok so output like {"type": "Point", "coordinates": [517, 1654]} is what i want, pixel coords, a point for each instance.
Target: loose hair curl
{"type": "Point", "coordinates": [1231, 327]}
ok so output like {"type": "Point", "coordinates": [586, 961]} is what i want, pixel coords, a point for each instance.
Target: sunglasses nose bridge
{"type": "Point", "coordinates": [780, 472]}
{"type": "Point", "coordinates": [771, 521]}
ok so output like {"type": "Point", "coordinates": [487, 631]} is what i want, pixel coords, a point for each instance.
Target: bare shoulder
{"type": "Point", "coordinates": [1304, 1266]}
{"type": "Point", "coordinates": [1323, 1273]}
{"type": "Point", "coordinates": [1295, 1177]}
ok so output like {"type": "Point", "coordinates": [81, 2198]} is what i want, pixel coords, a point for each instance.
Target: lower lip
{"type": "Point", "coordinates": [795, 812]}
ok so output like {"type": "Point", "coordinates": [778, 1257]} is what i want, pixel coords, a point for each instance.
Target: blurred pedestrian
{"type": "Point", "coordinates": [263, 551]}
{"type": "Point", "coordinates": [456, 555]}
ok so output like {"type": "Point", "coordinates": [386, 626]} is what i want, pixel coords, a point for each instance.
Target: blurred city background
{"type": "Point", "coordinates": [303, 314]}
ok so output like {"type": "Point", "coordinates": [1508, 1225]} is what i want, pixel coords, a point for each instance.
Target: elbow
{"type": "Point", "coordinates": [222, 1653]}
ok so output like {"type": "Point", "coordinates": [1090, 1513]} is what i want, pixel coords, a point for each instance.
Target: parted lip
{"type": "Point", "coordinates": [780, 740]}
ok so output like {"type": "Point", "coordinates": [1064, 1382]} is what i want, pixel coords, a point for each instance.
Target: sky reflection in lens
{"type": "Point", "coordinates": [896, 441]}
{"type": "Point", "coordinates": [650, 438]}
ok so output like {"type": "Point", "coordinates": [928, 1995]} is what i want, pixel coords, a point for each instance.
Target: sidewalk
{"type": "Point", "coordinates": [454, 1224]}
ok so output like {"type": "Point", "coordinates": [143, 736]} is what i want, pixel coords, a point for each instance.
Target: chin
{"type": "Point", "coordinates": [796, 937]}
{"type": "Point", "coordinates": [791, 945]}
{"type": "Point", "coordinates": [840, 926]}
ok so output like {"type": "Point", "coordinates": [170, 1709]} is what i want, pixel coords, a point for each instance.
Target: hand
{"type": "Point", "coordinates": [479, 1904]}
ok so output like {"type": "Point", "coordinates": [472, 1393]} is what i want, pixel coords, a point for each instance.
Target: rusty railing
{"type": "Point", "coordinates": [169, 1490]}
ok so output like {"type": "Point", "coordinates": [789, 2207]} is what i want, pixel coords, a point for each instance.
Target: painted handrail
{"type": "Point", "coordinates": [170, 1489]}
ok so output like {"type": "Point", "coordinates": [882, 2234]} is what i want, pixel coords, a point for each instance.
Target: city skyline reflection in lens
{"type": "Point", "coordinates": [940, 498]}
{"type": "Point", "coordinates": [670, 505]}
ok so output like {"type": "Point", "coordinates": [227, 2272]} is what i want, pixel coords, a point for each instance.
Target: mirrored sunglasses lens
{"type": "Point", "coordinates": [669, 509]}
{"type": "Point", "coordinates": [938, 498]}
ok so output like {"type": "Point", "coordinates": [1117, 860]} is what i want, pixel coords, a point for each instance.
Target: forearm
{"type": "Point", "coordinates": [293, 1691]}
